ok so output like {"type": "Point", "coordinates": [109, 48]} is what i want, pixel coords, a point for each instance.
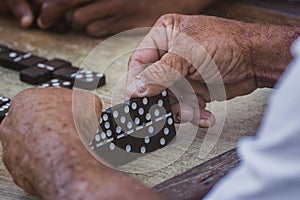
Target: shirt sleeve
{"type": "Point", "coordinates": [270, 162]}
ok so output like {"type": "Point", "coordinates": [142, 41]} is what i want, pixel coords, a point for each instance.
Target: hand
{"type": "Point", "coordinates": [21, 9]}
{"type": "Point", "coordinates": [106, 17]}
{"type": "Point", "coordinates": [220, 59]}
{"type": "Point", "coordinates": [43, 153]}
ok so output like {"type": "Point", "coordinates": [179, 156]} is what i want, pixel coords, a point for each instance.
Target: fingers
{"type": "Point", "coordinates": [190, 108]}
{"type": "Point", "coordinates": [150, 50]}
{"type": "Point", "coordinates": [3, 8]}
{"type": "Point", "coordinates": [22, 11]}
{"type": "Point", "coordinates": [184, 112]}
{"type": "Point", "coordinates": [51, 11]}
{"type": "Point", "coordinates": [97, 11]}
{"type": "Point", "coordinates": [105, 27]}
{"type": "Point", "coordinates": [160, 75]}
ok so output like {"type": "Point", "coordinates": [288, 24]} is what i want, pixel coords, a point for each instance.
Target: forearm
{"type": "Point", "coordinates": [270, 49]}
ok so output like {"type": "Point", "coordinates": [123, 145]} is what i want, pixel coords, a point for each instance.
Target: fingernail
{"type": "Point", "coordinates": [177, 117]}
{"type": "Point", "coordinates": [40, 23]}
{"type": "Point", "coordinates": [26, 21]}
{"type": "Point", "coordinates": [140, 85]}
{"type": "Point", "coordinates": [205, 123]}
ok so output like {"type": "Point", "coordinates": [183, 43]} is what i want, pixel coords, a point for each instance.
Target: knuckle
{"type": "Point", "coordinates": [77, 18]}
{"type": "Point", "coordinates": [94, 31]}
{"type": "Point", "coordinates": [167, 19]}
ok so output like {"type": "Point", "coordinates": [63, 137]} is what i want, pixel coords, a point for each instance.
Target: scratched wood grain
{"type": "Point", "coordinates": [197, 182]}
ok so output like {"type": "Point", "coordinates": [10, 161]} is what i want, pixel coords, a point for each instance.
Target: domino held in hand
{"type": "Point", "coordinates": [137, 126]}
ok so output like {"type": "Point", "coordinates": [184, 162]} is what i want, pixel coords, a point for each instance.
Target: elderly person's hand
{"type": "Point", "coordinates": [43, 152]}
{"type": "Point", "coordinates": [213, 55]}
{"type": "Point", "coordinates": [106, 17]}
{"type": "Point", "coordinates": [21, 9]}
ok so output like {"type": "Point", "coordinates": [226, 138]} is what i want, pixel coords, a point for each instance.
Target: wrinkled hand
{"type": "Point", "coordinates": [214, 55]}
{"type": "Point", "coordinates": [106, 17]}
{"type": "Point", "coordinates": [45, 156]}
{"type": "Point", "coordinates": [21, 9]}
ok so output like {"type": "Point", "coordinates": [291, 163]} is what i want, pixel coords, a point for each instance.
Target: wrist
{"type": "Point", "coordinates": [270, 51]}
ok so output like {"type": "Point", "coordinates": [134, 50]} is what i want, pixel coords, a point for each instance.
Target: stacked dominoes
{"type": "Point", "coordinates": [126, 131]}
{"type": "Point", "coordinates": [133, 128]}
{"type": "Point", "coordinates": [4, 106]}
{"type": "Point", "coordinates": [46, 73]}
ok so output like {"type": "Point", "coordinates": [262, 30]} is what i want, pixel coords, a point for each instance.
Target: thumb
{"type": "Point", "coordinates": [154, 78]}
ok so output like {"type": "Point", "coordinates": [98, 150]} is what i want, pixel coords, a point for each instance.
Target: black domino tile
{"type": "Point", "coordinates": [4, 100]}
{"type": "Point", "coordinates": [108, 124]}
{"type": "Point", "coordinates": [82, 78]}
{"type": "Point", "coordinates": [3, 49]}
{"type": "Point", "coordinates": [162, 100]}
{"type": "Point", "coordinates": [42, 72]}
{"type": "Point", "coordinates": [66, 73]}
{"type": "Point", "coordinates": [89, 80]}
{"type": "Point", "coordinates": [155, 133]}
{"type": "Point", "coordinates": [140, 114]}
{"type": "Point", "coordinates": [18, 60]}
{"type": "Point", "coordinates": [35, 75]}
{"type": "Point", "coordinates": [57, 83]}
{"type": "Point", "coordinates": [4, 107]}
{"type": "Point", "coordinates": [55, 64]}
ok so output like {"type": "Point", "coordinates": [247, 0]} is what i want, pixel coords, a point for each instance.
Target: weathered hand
{"type": "Point", "coordinates": [220, 58]}
{"type": "Point", "coordinates": [44, 155]}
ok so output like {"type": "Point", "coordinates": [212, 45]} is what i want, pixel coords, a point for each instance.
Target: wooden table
{"type": "Point", "coordinates": [242, 116]}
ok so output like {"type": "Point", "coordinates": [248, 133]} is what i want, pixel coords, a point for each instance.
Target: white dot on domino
{"type": "Point", "coordinates": [122, 119]}
{"type": "Point", "coordinates": [105, 117]}
{"type": "Point", "coordinates": [170, 121]}
{"type": "Point", "coordinates": [166, 131]}
{"type": "Point", "coordinates": [107, 125]}
{"type": "Point", "coordinates": [150, 129]}
{"type": "Point", "coordinates": [137, 120]}
{"type": "Point", "coordinates": [162, 141]}
{"type": "Point", "coordinates": [143, 149]}
{"type": "Point", "coordinates": [13, 54]}
{"type": "Point", "coordinates": [66, 83]}
{"type": "Point", "coordinates": [129, 125]}
{"type": "Point", "coordinates": [115, 114]}
{"type": "Point", "coordinates": [148, 116]}
{"type": "Point", "coordinates": [128, 148]}
{"type": "Point", "coordinates": [78, 76]}
{"type": "Point", "coordinates": [109, 133]}
{"type": "Point", "coordinates": [112, 146]}
{"type": "Point", "coordinates": [103, 136]}
{"type": "Point", "coordinates": [97, 138]}
{"type": "Point", "coordinates": [160, 102]}
{"type": "Point", "coordinates": [145, 101]}
{"type": "Point", "coordinates": [133, 105]}
{"type": "Point", "coordinates": [147, 140]}
{"type": "Point", "coordinates": [126, 109]}
{"type": "Point", "coordinates": [118, 129]}
{"type": "Point", "coordinates": [141, 111]}
{"type": "Point", "coordinates": [54, 80]}
{"type": "Point", "coordinates": [156, 112]}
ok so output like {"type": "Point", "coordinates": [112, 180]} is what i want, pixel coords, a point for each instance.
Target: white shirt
{"type": "Point", "coordinates": [270, 162]}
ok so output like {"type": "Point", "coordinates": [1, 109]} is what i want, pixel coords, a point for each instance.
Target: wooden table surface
{"type": "Point", "coordinates": [242, 115]}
